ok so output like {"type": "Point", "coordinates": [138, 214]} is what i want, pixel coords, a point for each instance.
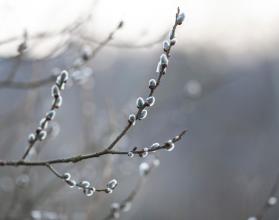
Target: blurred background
{"type": "Point", "coordinates": [222, 84]}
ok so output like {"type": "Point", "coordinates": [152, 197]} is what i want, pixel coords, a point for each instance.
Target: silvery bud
{"type": "Point", "coordinates": [166, 45]}
{"type": "Point", "coordinates": [164, 60]}
{"type": "Point", "coordinates": [43, 123]}
{"type": "Point", "coordinates": [62, 79]}
{"type": "Point", "coordinates": [132, 119]}
{"type": "Point", "coordinates": [159, 68]}
{"type": "Point", "coordinates": [150, 100]}
{"type": "Point", "coordinates": [109, 190]}
{"type": "Point", "coordinates": [67, 176]}
{"type": "Point", "coordinates": [112, 184]}
{"type": "Point", "coordinates": [90, 191]}
{"type": "Point", "coordinates": [50, 115]}
{"type": "Point", "coordinates": [143, 114]}
{"type": "Point", "coordinates": [140, 102]}
{"type": "Point", "coordinates": [156, 162]}
{"type": "Point", "coordinates": [31, 138]}
{"type": "Point", "coordinates": [130, 154]}
{"type": "Point", "coordinates": [154, 146]}
{"type": "Point", "coordinates": [170, 145]}
{"type": "Point", "coordinates": [42, 135]}
{"type": "Point", "coordinates": [86, 53]}
{"type": "Point", "coordinates": [173, 41]}
{"type": "Point", "coordinates": [57, 102]}
{"type": "Point", "coordinates": [152, 84]}
{"type": "Point", "coordinates": [55, 92]}
{"type": "Point", "coordinates": [272, 201]}
{"type": "Point", "coordinates": [144, 168]}
{"type": "Point", "coordinates": [144, 154]}
{"type": "Point", "coordinates": [71, 183]}
{"type": "Point", "coordinates": [115, 206]}
{"type": "Point", "coordinates": [180, 18]}
{"type": "Point", "coordinates": [127, 206]}
{"type": "Point", "coordinates": [84, 184]}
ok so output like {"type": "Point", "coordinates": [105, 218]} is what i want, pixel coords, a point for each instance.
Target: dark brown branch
{"type": "Point", "coordinates": [79, 158]}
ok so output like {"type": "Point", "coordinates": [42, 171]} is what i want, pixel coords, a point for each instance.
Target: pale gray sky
{"type": "Point", "coordinates": [235, 26]}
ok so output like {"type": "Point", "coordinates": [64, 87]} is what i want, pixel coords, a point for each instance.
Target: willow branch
{"type": "Point", "coordinates": [79, 158]}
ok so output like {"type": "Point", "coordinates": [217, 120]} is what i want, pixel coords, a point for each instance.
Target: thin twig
{"type": "Point", "coordinates": [50, 79]}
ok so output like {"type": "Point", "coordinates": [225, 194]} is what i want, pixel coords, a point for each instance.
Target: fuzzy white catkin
{"type": "Point", "coordinates": [42, 135]}
{"type": "Point", "coordinates": [132, 119]}
{"type": "Point", "coordinates": [144, 168]}
{"type": "Point", "coordinates": [31, 138]}
{"type": "Point", "coordinates": [50, 115]}
{"type": "Point", "coordinates": [55, 92]}
{"type": "Point", "coordinates": [64, 76]}
{"type": "Point", "coordinates": [143, 114]}
{"type": "Point", "coordinates": [67, 176]}
{"type": "Point", "coordinates": [170, 145]}
{"type": "Point", "coordinates": [180, 18]}
{"type": "Point", "coordinates": [272, 201]}
{"type": "Point", "coordinates": [144, 154]}
{"type": "Point", "coordinates": [159, 68]}
{"type": "Point", "coordinates": [43, 123]}
{"type": "Point", "coordinates": [90, 191]}
{"type": "Point", "coordinates": [71, 183]}
{"type": "Point", "coordinates": [115, 206]}
{"type": "Point", "coordinates": [252, 218]}
{"type": "Point", "coordinates": [150, 100]}
{"type": "Point", "coordinates": [140, 102]}
{"type": "Point", "coordinates": [127, 206]}
{"type": "Point", "coordinates": [130, 154]}
{"type": "Point", "coordinates": [57, 102]}
{"type": "Point", "coordinates": [109, 190]}
{"type": "Point", "coordinates": [163, 59]}
{"type": "Point", "coordinates": [85, 184]}
{"type": "Point", "coordinates": [166, 45]}
{"type": "Point", "coordinates": [152, 84]}
{"type": "Point", "coordinates": [62, 79]}
{"type": "Point", "coordinates": [154, 146]}
{"type": "Point", "coordinates": [112, 184]}
{"type": "Point", "coordinates": [173, 41]}
{"type": "Point", "coordinates": [156, 162]}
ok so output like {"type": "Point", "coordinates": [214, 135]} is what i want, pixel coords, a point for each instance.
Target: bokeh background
{"type": "Point", "coordinates": [222, 85]}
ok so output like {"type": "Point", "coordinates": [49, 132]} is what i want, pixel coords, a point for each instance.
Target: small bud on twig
{"type": "Point", "coordinates": [180, 18]}
{"type": "Point", "coordinates": [143, 114]}
{"type": "Point", "coordinates": [140, 102]}
{"type": "Point", "coordinates": [50, 115]}
{"type": "Point", "coordinates": [166, 45]}
{"type": "Point", "coordinates": [31, 138]}
{"type": "Point", "coordinates": [170, 145]}
{"type": "Point", "coordinates": [150, 101]}
{"type": "Point", "coordinates": [112, 184]}
{"type": "Point", "coordinates": [152, 84]}
{"type": "Point", "coordinates": [144, 168]}
{"type": "Point", "coordinates": [42, 135]}
{"type": "Point", "coordinates": [132, 119]}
